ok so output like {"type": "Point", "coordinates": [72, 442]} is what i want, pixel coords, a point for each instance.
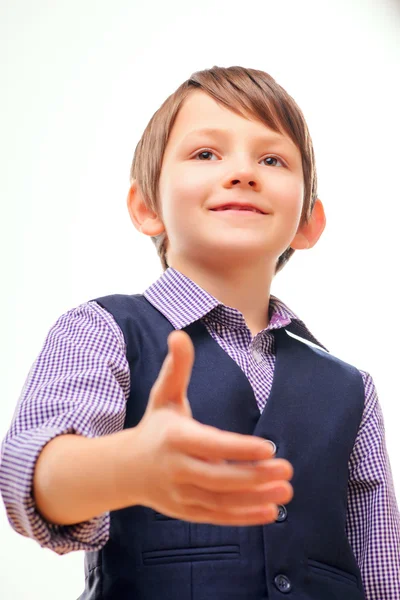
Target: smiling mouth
{"type": "Point", "coordinates": [238, 210]}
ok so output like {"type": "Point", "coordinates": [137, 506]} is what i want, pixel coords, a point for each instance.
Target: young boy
{"type": "Point", "coordinates": [140, 435]}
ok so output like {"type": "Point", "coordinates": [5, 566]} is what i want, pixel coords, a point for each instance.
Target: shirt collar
{"type": "Point", "coordinates": [183, 302]}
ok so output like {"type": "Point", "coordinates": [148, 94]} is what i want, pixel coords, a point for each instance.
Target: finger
{"type": "Point", "coordinates": [268, 514]}
{"type": "Point", "coordinates": [219, 477]}
{"type": "Point", "coordinates": [173, 380]}
{"type": "Point", "coordinates": [181, 351]}
{"type": "Point", "coordinates": [212, 444]}
{"type": "Point", "coordinates": [276, 492]}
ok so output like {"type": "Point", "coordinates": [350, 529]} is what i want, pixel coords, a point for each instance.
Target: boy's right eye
{"type": "Point", "coordinates": [202, 154]}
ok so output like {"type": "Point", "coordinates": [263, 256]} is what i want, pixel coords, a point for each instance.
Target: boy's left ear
{"type": "Point", "coordinates": [309, 233]}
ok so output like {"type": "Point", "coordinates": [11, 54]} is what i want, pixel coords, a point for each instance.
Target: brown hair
{"type": "Point", "coordinates": [245, 92]}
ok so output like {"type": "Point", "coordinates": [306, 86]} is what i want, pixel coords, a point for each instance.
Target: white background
{"type": "Point", "coordinates": [79, 82]}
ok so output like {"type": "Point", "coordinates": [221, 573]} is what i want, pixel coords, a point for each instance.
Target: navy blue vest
{"type": "Point", "coordinates": [313, 414]}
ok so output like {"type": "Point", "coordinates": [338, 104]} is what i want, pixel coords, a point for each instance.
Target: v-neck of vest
{"type": "Point", "coordinates": [280, 337]}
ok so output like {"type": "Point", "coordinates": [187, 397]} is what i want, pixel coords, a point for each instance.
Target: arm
{"type": "Point", "coordinates": [373, 522]}
{"type": "Point", "coordinates": [78, 385]}
{"type": "Point", "coordinates": [168, 462]}
{"type": "Point", "coordinates": [78, 478]}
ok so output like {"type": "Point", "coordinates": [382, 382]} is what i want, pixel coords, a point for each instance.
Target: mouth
{"type": "Point", "coordinates": [237, 207]}
{"type": "Point", "coordinates": [246, 210]}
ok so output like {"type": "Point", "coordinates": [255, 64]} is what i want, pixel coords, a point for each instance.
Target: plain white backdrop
{"type": "Point", "coordinates": [79, 82]}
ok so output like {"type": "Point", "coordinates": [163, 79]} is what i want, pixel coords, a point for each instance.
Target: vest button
{"type": "Point", "coordinates": [283, 583]}
{"type": "Point", "coordinates": [273, 446]}
{"type": "Point", "coordinates": [282, 513]}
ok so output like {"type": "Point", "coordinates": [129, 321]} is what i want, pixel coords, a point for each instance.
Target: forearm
{"type": "Point", "coordinates": [77, 478]}
{"type": "Point", "coordinates": [77, 385]}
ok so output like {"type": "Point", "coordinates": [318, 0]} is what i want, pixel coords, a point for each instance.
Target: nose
{"type": "Point", "coordinates": [237, 182]}
{"type": "Point", "coordinates": [242, 178]}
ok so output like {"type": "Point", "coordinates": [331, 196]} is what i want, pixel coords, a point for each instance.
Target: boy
{"type": "Point", "coordinates": [159, 468]}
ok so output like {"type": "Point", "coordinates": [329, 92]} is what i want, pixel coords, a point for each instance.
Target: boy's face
{"type": "Point", "coordinates": [241, 161]}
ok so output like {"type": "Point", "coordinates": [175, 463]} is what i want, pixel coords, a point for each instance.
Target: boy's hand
{"type": "Point", "coordinates": [182, 464]}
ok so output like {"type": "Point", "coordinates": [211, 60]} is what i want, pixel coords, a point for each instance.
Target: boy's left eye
{"type": "Point", "coordinates": [273, 158]}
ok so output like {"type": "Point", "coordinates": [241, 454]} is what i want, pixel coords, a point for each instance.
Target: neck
{"type": "Point", "coordinates": [242, 287]}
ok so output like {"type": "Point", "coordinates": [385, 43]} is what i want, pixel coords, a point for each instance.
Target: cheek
{"type": "Point", "coordinates": [181, 191]}
{"type": "Point", "coordinates": [190, 181]}
{"type": "Point", "coordinates": [289, 194]}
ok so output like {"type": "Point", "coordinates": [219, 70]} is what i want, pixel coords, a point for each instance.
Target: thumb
{"type": "Point", "coordinates": [170, 387]}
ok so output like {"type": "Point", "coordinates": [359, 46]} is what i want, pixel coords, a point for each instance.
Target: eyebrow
{"type": "Point", "coordinates": [223, 133]}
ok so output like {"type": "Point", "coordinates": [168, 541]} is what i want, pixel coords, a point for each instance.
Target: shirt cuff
{"type": "Point", "coordinates": [19, 457]}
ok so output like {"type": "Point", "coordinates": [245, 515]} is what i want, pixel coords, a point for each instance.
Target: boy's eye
{"type": "Point", "coordinates": [273, 158]}
{"type": "Point", "coordinates": [202, 154]}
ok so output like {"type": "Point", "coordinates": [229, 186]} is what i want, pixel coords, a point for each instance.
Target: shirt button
{"type": "Point", "coordinates": [257, 355]}
{"type": "Point", "coordinates": [282, 513]}
{"type": "Point", "coordinates": [283, 583]}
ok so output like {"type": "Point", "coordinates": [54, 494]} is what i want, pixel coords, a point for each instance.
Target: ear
{"type": "Point", "coordinates": [144, 218]}
{"type": "Point", "coordinates": [309, 233]}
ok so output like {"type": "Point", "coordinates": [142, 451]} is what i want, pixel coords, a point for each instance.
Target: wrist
{"type": "Point", "coordinates": [126, 469]}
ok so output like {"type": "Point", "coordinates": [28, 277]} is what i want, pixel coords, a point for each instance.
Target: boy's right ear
{"type": "Point", "coordinates": [144, 218]}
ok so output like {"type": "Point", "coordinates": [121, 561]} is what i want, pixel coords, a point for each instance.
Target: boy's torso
{"type": "Point", "coordinates": [313, 414]}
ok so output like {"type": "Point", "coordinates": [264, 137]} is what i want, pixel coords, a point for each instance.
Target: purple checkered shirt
{"type": "Point", "coordinates": [80, 383]}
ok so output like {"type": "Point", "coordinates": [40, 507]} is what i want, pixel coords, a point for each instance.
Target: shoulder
{"type": "Point", "coordinates": [86, 323]}
{"type": "Point", "coordinates": [326, 355]}
{"type": "Point", "coordinates": [364, 377]}
{"type": "Point", "coordinates": [121, 304]}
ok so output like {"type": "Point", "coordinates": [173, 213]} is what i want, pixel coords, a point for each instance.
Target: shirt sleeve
{"type": "Point", "coordinates": [373, 522]}
{"type": "Point", "coordinates": [79, 384]}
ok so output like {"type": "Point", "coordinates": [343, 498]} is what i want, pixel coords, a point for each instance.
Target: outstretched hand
{"type": "Point", "coordinates": [196, 472]}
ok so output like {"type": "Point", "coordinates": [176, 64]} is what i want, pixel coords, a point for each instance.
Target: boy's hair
{"type": "Point", "coordinates": [247, 92]}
